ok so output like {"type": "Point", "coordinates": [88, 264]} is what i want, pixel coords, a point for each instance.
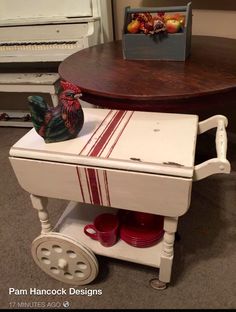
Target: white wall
{"type": "Point", "coordinates": [214, 23]}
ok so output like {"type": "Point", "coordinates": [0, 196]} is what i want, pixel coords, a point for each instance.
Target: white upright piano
{"type": "Point", "coordinates": [45, 31]}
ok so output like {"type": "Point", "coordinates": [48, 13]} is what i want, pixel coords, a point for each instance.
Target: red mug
{"type": "Point", "coordinates": [105, 228]}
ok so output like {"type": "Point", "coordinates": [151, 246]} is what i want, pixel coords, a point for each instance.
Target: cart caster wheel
{"type": "Point", "coordinates": [65, 259]}
{"type": "Point", "coordinates": [157, 284]}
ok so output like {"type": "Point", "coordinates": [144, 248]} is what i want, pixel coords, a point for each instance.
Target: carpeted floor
{"type": "Point", "coordinates": [204, 268]}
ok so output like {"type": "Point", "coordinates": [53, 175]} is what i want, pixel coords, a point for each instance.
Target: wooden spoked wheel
{"type": "Point", "coordinates": [65, 259]}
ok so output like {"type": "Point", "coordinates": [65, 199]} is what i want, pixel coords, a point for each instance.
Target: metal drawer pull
{"type": "Point", "coordinates": [219, 164]}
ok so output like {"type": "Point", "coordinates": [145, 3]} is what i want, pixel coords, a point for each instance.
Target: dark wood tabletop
{"type": "Point", "coordinates": [206, 79]}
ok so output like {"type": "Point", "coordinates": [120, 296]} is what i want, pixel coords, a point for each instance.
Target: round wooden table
{"type": "Point", "coordinates": [204, 84]}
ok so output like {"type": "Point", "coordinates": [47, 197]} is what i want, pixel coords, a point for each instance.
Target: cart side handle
{"type": "Point", "coordinates": [219, 164]}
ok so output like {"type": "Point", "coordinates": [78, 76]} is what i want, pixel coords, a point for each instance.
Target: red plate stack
{"type": "Point", "coordinates": [140, 229]}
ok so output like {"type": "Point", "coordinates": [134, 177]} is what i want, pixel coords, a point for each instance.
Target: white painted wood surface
{"type": "Point", "coordinates": [167, 252]}
{"type": "Point", "coordinates": [17, 124]}
{"type": "Point", "coordinates": [28, 79]}
{"type": "Point", "coordinates": [137, 141]}
{"type": "Point", "coordinates": [31, 82]}
{"type": "Point", "coordinates": [152, 193]}
{"type": "Point", "coordinates": [40, 204]}
{"type": "Point", "coordinates": [24, 9]}
{"type": "Point", "coordinates": [45, 32]}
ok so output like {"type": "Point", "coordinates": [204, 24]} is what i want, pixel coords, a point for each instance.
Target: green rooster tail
{"type": "Point", "coordinates": [38, 108]}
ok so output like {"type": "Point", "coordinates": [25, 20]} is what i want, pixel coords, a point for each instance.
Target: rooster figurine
{"type": "Point", "coordinates": [59, 123]}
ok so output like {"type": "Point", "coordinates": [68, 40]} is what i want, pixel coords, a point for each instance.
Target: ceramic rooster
{"type": "Point", "coordinates": [59, 123]}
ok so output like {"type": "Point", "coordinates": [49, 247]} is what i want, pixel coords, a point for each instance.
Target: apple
{"type": "Point", "coordinates": [177, 16]}
{"type": "Point", "coordinates": [133, 27]}
{"type": "Point", "coordinates": [173, 26]}
{"type": "Point", "coordinates": [167, 17]}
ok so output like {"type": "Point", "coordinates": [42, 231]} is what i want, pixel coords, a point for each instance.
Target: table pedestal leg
{"type": "Point", "coordinates": [167, 255]}
{"type": "Point", "coordinates": [40, 204]}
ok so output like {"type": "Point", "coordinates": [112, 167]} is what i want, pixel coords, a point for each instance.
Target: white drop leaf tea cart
{"type": "Point", "coordinates": [139, 161]}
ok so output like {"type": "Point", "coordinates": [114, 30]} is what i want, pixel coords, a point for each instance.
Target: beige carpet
{"type": "Point", "coordinates": [204, 268]}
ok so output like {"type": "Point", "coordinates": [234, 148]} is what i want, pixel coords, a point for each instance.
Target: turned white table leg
{"type": "Point", "coordinates": [167, 254]}
{"type": "Point", "coordinates": [40, 204]}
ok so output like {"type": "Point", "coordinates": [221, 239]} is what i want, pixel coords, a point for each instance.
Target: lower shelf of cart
{"type": "Point", "coordinates": [77, 215]}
